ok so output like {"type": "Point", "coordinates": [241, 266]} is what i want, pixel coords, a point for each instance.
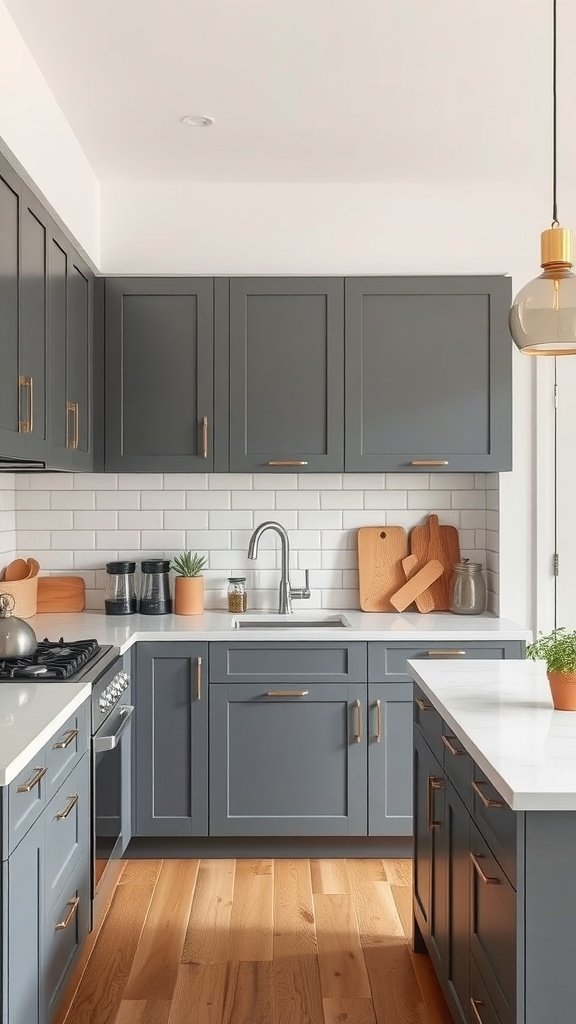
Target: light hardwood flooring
{"type": "Point", "coordinates": [258, 942]}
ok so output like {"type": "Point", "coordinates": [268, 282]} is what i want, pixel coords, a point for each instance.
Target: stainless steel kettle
{"type": "Point", "coordinates": [17, 638]}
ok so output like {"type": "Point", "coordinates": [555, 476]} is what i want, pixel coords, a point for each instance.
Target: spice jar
{"type": "Point", "coordinates": [467, 588]}
{"type": "Point", "coordinates": [237, 596]}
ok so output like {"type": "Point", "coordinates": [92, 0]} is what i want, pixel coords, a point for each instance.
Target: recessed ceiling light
{"type": "Point", "coordinates": [196, 121]}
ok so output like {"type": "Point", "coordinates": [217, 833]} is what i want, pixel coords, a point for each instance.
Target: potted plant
{"type": "Point", "coordinates": [189, 583]}
{"type": "Point", "coordinates": [558, 650]}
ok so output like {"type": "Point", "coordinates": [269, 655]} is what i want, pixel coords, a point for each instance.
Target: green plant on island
{"type": "Point", "coordinates": [557, 649]}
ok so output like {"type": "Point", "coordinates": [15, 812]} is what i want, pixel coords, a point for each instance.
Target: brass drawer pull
{"type": "Point", "coordinates": [446, 740]}
{"type": "Point", "coordinates": [430, 462]}
{"type": "Point", "coordinates": [287, 693]}
{"type": "Point", "coordinates": [358, 717]}
{"type": "Point", "coordinates": [487, 879]}
{"type": "Point", "coordinates": [26, 426]}
{"type": "Point", "coordinates": [435, 782]}
{"type": "Point", "coordinates": [76, 425]}
{"type": "Point", "coordinates": [73, 904]}
{"type": "Point", "coordinates": [422, 704]}
{"type": "Point", "coordinates": [69, 735]}
{"type": "Point", "coordinates": [287, 462]}
{"type": "Point", "coordinates": [27, 787]}
{"type": "Point", "coordinates": [475, 1003]}
{"type": "Point", "coordinates": [198, 678]}
{"type": "Point", "coordinates": [204, 437]}
{"type": "Point", "coordinates": [378, 736]}
{"type": "Point", "coordinates": [72, 801]}
{"type": "Point", "coordinates": [486, 800]}
{"type": "Point", "coordinates": [449, 652]}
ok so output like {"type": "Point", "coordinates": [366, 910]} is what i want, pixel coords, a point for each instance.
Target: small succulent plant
{"type": "Point", "coordinates": [188, 564]}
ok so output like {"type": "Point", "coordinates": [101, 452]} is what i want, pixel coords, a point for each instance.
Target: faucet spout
{"type": "Point", "coordinates": [285, 591]}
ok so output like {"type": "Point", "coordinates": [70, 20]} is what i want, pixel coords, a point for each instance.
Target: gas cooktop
{"type": "Point", "coordinates": [53, 661]}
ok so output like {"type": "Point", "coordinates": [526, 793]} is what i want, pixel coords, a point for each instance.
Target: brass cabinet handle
{"type": "Point", "coordinates": [198, 678]}
{"type": "Point", "coordinates": [287, 693]}
{"type": "Point", "coordinates": [72, 801]}
{"type": "Point", "coordinates": [69, 409]}
{"type": "Point", "coordinates": [27, 787]}
{"type": "Point", "coordinates": [447, 741]}
{"type": "Point", "coordinates": [69, 735]}
{"type": "Point", "coordinates": [378, 706]}
{"type": "Point", "coordinates": [422, 704]}
{"type": "Point", "coordinates": [358, 717]}
{"type": "Point", "coordinates": [449, 652]}
{"type": "Point", "coordinates": [76, 425]}
{"type": "Point", "coordinates": [74, 409]}
{"type": "Point", "coordinates": [487, 879]}
{"type": "Point", "coordinates": [73, 904]}
{"type": "Point", "coordinates": [435, 782]}
{"type": "Point", "coordinates": [204, 437]}
{"type": "Point", "coordinates": [475, 1003]}
{"type": "Point", "coordinates": [26, 426]}
{"type": "Point", "coordinates": [486, 800]}
{"type": "Point", "coordinates": [286, 462]}
{"type": "Point", "coordinates": [430, 462]}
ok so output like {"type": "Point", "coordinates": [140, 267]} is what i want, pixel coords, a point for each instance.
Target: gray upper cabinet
{"type": "Point", "coordinates": [428, 374]}
{"type": "Point", "coordinates": [159, 374]}
{"type": "Point", "coordinates": [286, 374]}
{"type": "Point", "coordinates": [171, 750]}
{"type": "Point", "coordinates": [33, 377]}
{"type": "Point", "coordinates": [11, 442]}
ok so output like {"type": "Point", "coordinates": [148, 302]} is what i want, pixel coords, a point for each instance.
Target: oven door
{"type": "Point", "coordinates": [110, 770]}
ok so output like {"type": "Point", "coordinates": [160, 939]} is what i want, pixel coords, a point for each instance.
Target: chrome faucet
{"type": "Point", "coordinates": [287, 593]}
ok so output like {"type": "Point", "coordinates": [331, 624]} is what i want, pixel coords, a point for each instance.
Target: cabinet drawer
{"type": "Point", "coordinates": [481, 1009]}
{"type": "Point", "coordinates": [245, 662]}
{"type": "Point", "coordinates": [493, 926]}
{"type": "Point", "coordinates": [457, 765]}
{"type": "Point", "coordinates": [496, 821]}
{"type": "Point", "coordinates": [388, 661]}
{"type": "Point", "coordinates": [66, 748]}
{"type": "Point", "coordinates": [429, 722]}
{"type": "Point", "coordinates": [27, 795]}
{"type": "Point", "coordinates": [67, 828]}
{"type": "Point", "coordinates": [66, 928]}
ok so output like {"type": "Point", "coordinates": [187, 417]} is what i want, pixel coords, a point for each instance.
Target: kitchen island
{"type": "Point", "coordinates": [495, 840]}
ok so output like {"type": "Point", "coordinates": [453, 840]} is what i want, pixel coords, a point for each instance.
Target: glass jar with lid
{"type": "Point", "coordinates": [467, 588]}
{"type": "Point", "coordinates": [237, 595]}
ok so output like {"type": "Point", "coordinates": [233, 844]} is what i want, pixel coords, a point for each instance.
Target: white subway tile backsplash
{"type": "Point", "coordinates": [275, 481]}
{"type": "Point", "coordinates": [230, 520]}
{"type": "Point", "coordinates": [473, 519]}
{"type": "Point", "coordinates": [149, 519]}
{"type": "Point", "coordinates": [385, 499]}
{"type": "Point", "coordinates": [83, 540]}
{"type": "Point", "coordinates": [160, 499]}
{"type": "Point", "coordinates": [341, 499]}
{"type": "Point", "coordinates": [49, 482]}
{"type": "Point", "coordinates": [73, 500]}
{"type": "Point", "coordinates": [30, 541]}
{"type": "Point", "coordinates": [35, 499]}
{"type": "Point", "coordinates": [140, 481]}
{"type": "Point", "coordinates": [451, 481]}
{"type": "Point", "coordinates": [121, 499]}
{"type": "Point", "coordinates": [165, 539]}
{"type": "Point", "coordinates": [326, 519]}
{"type": "Point", "coordinates": [207, 499]}
{"type": "Point", "coordinates": [30, 519]}
{"type": "Point", "coordinates": [297, 500]}
{"type": "Point", "coordinates": [320, 481]}
{"type": "Point", "coordinates": [408, 481]}
{"type": "Point", "coordinates": [468, 499]}
{"type": "Point", "coordinates": [230, 482]}
{"type": "Point", "coordinates": [208, 540]}
{"type": "Point", "coordinates": [116, 539]}
{"type": "Point", "coordinates": [101, 520]}
{"type": "Point", "coordinates": [102, 482]}
{"type": "Point", "coordinates": [431, 501]}
{"type": "Point", "coordinates": [253, 499]}
{"type": "Point", "coordinates": [363, 481]}
{"type": "Point", "coordinates": [187, 519]}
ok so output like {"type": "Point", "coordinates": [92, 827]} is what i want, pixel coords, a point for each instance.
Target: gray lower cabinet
{"type": "Point", "coordinates": [288, 760]}
{"type": "Point", "coordinates": [389, 759]}
{"type": "Point", "coordinates": [23, 928]}
{"type": "Point", "coordinates": [286, 374]}
{"type": "Point", "coordinates": [428, 374]}
{"type": "Point", "coordinates": [171, 745]}
{"type": "Point", "coordinates": [159, 374]}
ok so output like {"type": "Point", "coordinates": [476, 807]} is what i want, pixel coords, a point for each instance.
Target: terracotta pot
{"type": "Point", "coordinates": [563, 687]}
{"type": "Point", "coordinates": [189, 595]}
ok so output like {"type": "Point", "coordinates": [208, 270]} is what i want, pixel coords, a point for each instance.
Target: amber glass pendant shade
{"type": "Point", "coordinates": [543, 314]}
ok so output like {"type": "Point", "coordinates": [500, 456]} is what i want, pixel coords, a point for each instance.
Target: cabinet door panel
{"type": "Point", "coordinates": [284, 764]}
{"type": "Point", "coordinates": [171, 777]}
{"type": "Point", "coordinates": [390, 759]}
{"type": "Point", "coordinates": [34, 323]}
{"type": "Point", "coordinates": [79, 357]}
{"type": "Point", "coordinates": [429, 364]}
{"type": "Point", "coordinates": [428, 810]}
{"type": "Point", "coordinates": [25, 938]}
{"type": "Point", "coordinates": [457, 861]}
{"type": "Point", "coordinates": [67, 925]}
{"type": "Point", "coordinates": [493, 924]}
{"type": "Point", "coordinates": [159, 374]}
{"type": "Point", "coordinates": [11, 443]}
{"type": "Point", "coordinates": [59, 422]}
{"type": "Point", "coordinates": [286, 373]}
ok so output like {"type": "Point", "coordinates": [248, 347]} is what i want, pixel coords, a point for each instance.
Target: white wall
{"type": "Point", "coordinates": [36, 132]}
{"type": "Point", "coordinates": [473, 228]}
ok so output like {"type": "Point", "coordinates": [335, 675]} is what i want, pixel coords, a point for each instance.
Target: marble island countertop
{"type": "Point", "coordinates": [503, 715]}
{"type": "Point", "coordinates": [124, 631]}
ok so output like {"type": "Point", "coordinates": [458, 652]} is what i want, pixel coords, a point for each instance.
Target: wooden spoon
{"type": "Point", "coordinates": [33, 568]}
{"type": "Point", "coordinates": [424, 601]}
{"type": "Point", "coordinates": [17, 570]}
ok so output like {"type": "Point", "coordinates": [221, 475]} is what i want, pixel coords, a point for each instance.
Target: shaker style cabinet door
{"type": "Point", "coordinates": [286, 374]}
{"type": "Point", "coordinates": [23, 924]}
{"type": "Point", "coordinates": [390, 759]}
{"type": "Point", "coordinates": [12, 443]}
{"type": "Point", "coordinates": [159, 374]}
{"type": "Point", "coordinates": [428, 374]}
{"type": "Point", "coordinates": [33, 359]}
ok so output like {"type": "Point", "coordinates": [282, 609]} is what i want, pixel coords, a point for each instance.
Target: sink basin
{"type": "Point", "coordinates": [291, 622]}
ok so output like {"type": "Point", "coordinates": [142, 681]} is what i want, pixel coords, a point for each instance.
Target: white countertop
{"type": "Point", "coordinates": [30, 714]}
{"type": "Point", "coordinates": [123, 631]}
{"type": "Point", "coordinates": [502, 713]}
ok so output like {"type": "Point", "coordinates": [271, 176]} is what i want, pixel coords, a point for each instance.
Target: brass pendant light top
{"type": "Point", "coordinates": [543, 315]}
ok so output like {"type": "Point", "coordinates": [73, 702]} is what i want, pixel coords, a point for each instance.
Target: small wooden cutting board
{"type": "Point", "coordinates": [417, 584]}
{"type": "Point", "coordinates": [61, 594]}
{"type": "Point", "coordinates": [438, 542]}
{"type": "Point", "coordinates": [380, 553]}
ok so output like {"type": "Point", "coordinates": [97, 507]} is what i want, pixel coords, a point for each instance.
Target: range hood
{"type": "Point", "coordinates": [21, 465]}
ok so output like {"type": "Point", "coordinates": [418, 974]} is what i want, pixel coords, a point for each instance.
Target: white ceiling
{"type": "Point", "coordinates": [306, 90]}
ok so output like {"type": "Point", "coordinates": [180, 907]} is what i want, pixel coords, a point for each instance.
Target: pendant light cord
{"type": "Point", "coordinates": [555, 221]}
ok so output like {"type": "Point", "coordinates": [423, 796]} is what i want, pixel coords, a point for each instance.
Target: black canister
{"type": "Point", "coordinates": [155, 594]}
{"type": "Point", "coordinates": [120, 596]}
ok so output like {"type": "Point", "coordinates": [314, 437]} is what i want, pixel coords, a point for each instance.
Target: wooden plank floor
{"type": "Point", "coordinates": [258, 942]}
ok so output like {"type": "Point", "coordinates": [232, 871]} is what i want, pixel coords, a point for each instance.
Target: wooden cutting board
{"type": "Point", "coordinates": [433, 541]}
{"type": "Point", "coordinates": [61, 594]}
{"type": "Point", "coordinates": [380, 553]}
{"type": "Point", "coordinates": [418, 584]}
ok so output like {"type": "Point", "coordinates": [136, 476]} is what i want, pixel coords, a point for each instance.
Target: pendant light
{"type": "Point", "coordinates": [543, 315]}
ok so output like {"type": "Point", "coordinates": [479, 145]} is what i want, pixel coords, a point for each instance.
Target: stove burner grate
{"type": "Point", "coordinates": [51, 660]}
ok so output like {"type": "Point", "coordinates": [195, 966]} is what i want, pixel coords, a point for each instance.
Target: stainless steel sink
{"type": "Point", "coordinates": [291, 622]}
